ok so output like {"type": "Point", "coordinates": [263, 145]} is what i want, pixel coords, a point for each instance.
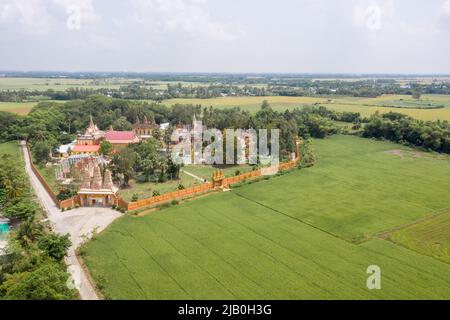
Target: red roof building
{"type": "Point", "coordinates": [85, 149]}
{"type": "Point", "coordinates": [121, 137]}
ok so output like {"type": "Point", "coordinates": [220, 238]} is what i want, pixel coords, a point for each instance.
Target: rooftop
{"type": "Point", "coordinates": [121, 137]}
{"type": "Point", "coordinates": [81, 148]}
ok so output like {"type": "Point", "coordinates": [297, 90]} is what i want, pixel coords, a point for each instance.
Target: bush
{"type": "Point", "coordinates": [54, 245]}
{"type": "Point", "coordinates": [237, 172]}
{"type": "Point", "coordinates": [41, 152]}
{"type": "Point", "coordinates": [181, 187]}
{"type": "Point", "coordinates": [47, 282]}
{"type": "Point", "coordinates": [65, 194]}
{"type": "Point", "coordinates": [135, 197]}
{"type": "Point", "coordinates": [156, 193]}
{"type": "Point", "coordinates": [174, 202]}
{"type": "Point", "coordinates": [20, 210]}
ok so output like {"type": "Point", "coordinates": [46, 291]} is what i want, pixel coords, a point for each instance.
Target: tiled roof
{"type": "Point", "coordinates": [81, 148]}
{"type": "Point", "coordinates": [121, 137]}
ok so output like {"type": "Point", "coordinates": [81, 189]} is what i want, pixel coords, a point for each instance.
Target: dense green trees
{"type": "Point", "coordinates": [54, 245]}
{"type": "Point", "coordinates": [106, 148]}
{"type": "Point", "coordinates": [32, 267]}
{"type": "Point", "coordinates": [47, 282]}
{"type": "Point", "coordinates": [397, 127]}
{"type": "Point", "coordinates": [122, 165]}
{"type": "Point", "coordinates": [41, 152]}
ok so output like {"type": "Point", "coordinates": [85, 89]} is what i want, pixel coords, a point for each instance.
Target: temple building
{"type": "Point", "coordinates": [89, 142]}
{"type": "Point", "coordinates": [121, 139]}
{"type": "Point", "coordinates": [96, 191]}
{"type": "Point", "coordinates": [144, 129]}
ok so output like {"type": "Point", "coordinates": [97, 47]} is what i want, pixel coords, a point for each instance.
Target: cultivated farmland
{"type": "Point", "coordinates": [365, 106]}
{"type": "Point", "coordinates": [430, 237]}
{"type": "Point", "coordinates": [288, 237]}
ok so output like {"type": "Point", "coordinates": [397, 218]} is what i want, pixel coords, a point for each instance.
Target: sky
{"type": "Point", "coordinates": [286, 36]}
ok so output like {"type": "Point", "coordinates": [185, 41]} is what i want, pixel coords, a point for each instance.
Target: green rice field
{"type": "Point", "coordinates": [290, 237]}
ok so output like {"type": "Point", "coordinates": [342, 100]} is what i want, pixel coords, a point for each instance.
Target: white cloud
{"type": "Point", "coordinates": [373, 15]}
{"type": "Point", "coordinates": [86, 7]}
{"type": "Point", "coordinates": [190, 17]}
{"type": "Point", "coordinates": [37, 17]}
{"type": "Point", "coordinates": [103, 42]}
{"type": "Point", "coordinates": [32, 16]}
{"type": "Point", "coordinates": [445, 7]}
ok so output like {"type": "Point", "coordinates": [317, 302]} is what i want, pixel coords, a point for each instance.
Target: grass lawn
{"type": "Point", "coordinates": [48, 173]}
{"type": "Point", "coordinates": [275, 239]}
{"type": "Point", "coordinates": [12, 148]}
{"type": "Point", "coordinates": [430, 237]}
{"type": "Point", "coordinates": [365, 106]}
{"type": "Point", "coordinates": [205, 172]}
{"type": "Point", "coordinates": [145, 189]}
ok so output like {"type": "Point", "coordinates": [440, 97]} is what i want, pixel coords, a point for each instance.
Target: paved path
{"type": "Point", "coordinates": [79, 223]}
{"type": "Point", "coordinates": [194, 176]}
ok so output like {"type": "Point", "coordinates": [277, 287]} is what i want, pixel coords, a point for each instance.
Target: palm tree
{"type": "Point", "coordinates": [14, 188]}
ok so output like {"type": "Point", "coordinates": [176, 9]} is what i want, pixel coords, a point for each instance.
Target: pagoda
{"type": "Point", "coordinates": [96, 191]}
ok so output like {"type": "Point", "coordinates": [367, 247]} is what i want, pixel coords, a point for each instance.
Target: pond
{"type": "Point", "coordinates": [4, 228]}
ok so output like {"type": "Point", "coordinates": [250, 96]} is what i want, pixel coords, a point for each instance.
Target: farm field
{"type": "Point", "coordinates": [365, 106]}
{"type": "Point", "coordinates": [58, 84]}
{"type": "Point", "coordinates": [17, 107]}
{"type": "Point", "coordinates": [359, 187]}
{"type": "Point", "coordinates": [286, 238]}
{"type": "Point", "coordinates": [429, 237]}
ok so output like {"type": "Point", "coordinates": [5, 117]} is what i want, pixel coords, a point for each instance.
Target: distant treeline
{"type": "Point", "coordinates": [402, 129]}
{"type": "Point", "coordinates": [145, 90]}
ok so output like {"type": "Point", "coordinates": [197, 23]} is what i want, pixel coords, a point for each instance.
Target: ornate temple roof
{"type": "Point", "coordinates": [145, 124]}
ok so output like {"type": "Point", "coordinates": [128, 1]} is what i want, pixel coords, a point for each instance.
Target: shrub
{"type": "Point", "coordinates": [65, 194]}
{"type": "Point", "coordinates": [237, 172]}
{"type": "Point", "coordinates": [156, 193]}
{"type": "Point", "coordinates": [54, 245]}
{"type": "Point", "coordinates": [174, 202]}
{"type": "Point", "coordinates": [181, 187]}
{"type": "Point", "coordinates": [135, 197]}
